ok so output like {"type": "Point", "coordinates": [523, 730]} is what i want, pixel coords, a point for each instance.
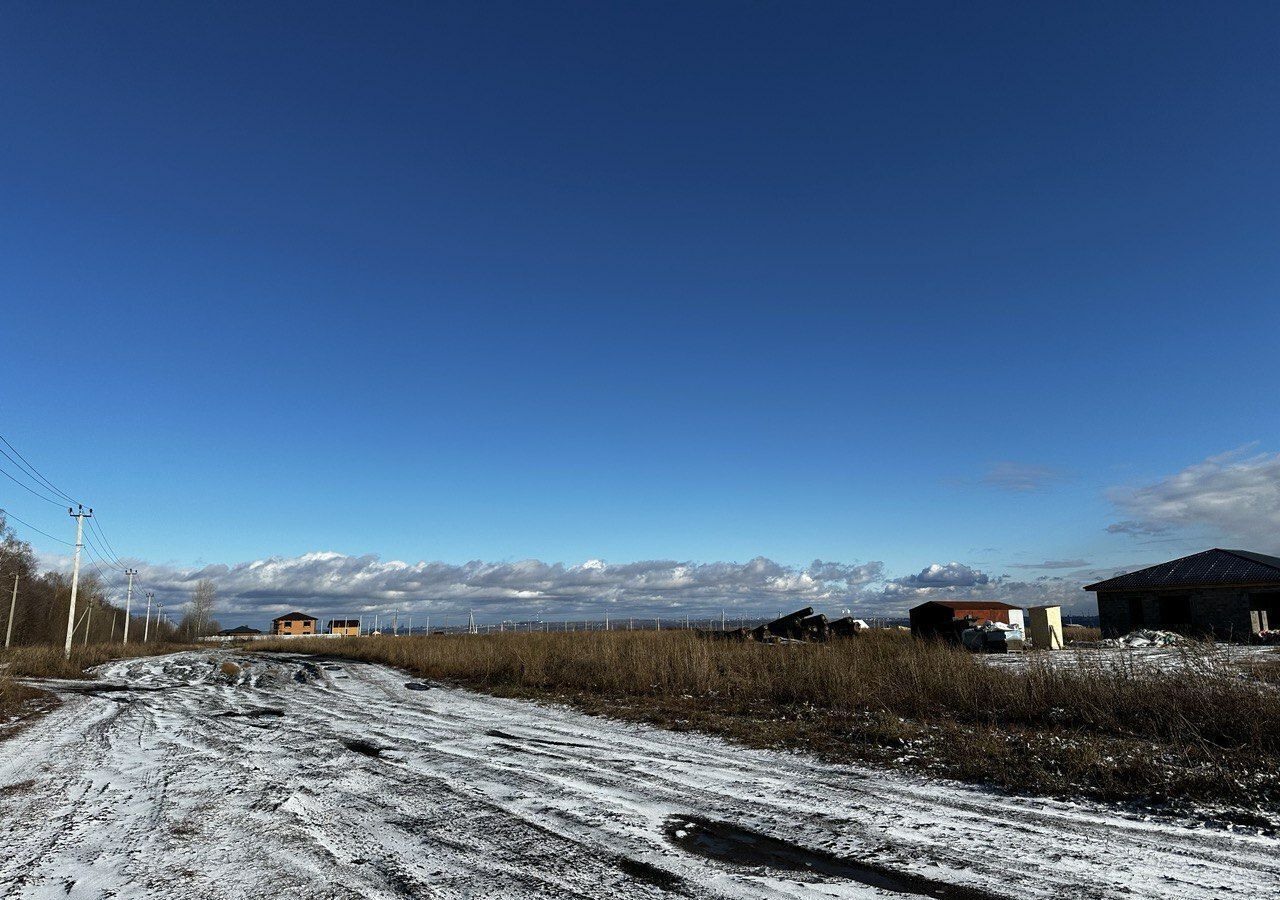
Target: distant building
{"type": "Point", "coordinates": [294, 623]}
{"type": "Point", "coordinates": [240, 631]}
{"type": "Point", "coordinates": [1225, 593]}
{"type": "Point", "coordinates": [944, 618]}
{"type": "Point", "coordinates": [349, 627]}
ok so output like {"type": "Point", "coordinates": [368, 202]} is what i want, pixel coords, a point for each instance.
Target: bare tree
{"type": "Point", "coordinates": [199, 618]}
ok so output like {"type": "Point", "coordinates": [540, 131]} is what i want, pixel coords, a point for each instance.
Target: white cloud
{"type": "Point", "coordinates": [1053, 564]}
{"type": "Point", "coordinates": [956, 581]}
{"type": "Point", "coordinates": [953, 574]}
{"type": "Point", "coordinates": [1022, 478]}
{"type": "Point", "coordinates": [327, 583]}
{"type": "Point", "coordinates": [1233, 494]}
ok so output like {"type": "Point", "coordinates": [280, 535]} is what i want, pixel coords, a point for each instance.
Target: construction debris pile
{"type": "Point", "coordinates": [1146, 638]}
{"type": "Point", "coordinates": [993, 637]}
{"type": "Point", "coordinates": [801, 626]}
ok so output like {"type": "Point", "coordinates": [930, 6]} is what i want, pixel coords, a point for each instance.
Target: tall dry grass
{"type": "Point", "coordinates": [46, 660]}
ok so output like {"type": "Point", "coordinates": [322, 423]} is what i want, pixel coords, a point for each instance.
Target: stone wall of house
{"type": "Point", "coordinates": [1113, 613]}
{"type": "Point", "coordinates": [1222, 612]}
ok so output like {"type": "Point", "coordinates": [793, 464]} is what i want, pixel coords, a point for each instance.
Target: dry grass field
{"type": "Point", "coordinates": [1130, 733]}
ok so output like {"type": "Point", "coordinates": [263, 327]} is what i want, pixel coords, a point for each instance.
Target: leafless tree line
{"type": "Point", "coordinates": [40, 611]}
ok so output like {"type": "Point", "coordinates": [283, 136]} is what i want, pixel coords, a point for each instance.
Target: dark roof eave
{"type": "Point", "coordinates": [1101, 586]}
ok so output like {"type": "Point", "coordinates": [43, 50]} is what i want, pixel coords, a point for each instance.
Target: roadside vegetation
{"type": "Point", "coordinates": [1096, 729]}
{"type": "Point", "coordinates": [19, 703]}
{"type": "Point", "coordinates": [40, 608]}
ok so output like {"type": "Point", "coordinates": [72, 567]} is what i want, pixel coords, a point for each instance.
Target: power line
{"type": "Point", "coordinates": [29, 489]}
{"type": "Point", "coordinates": [107, 555]}
{"type": "Point", "coordinates": [104, 549]}
{"type": "Point", "coordinates": [9, 515]}
{"type": "Point", "coordinates": [97, 526]}
{"type": "Point", "coordinates": [102, 556]}
{"type": "Point", "coordinates": [95, 558]}
{"type": "Point", "coordinates": [34, 471]}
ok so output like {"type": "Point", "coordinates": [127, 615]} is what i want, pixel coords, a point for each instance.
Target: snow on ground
{"type": "Point", "coordinates": [339, 780]}
{"type": "Point", "coordinates": [1192, 657]}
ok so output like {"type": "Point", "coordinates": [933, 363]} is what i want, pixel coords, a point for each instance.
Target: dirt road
{"type": "Point", "coordinates": [297, 778]}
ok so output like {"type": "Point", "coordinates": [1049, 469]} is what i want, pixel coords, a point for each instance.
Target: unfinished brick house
{"type": "Point", "coordinates": [293, 623]}
{"type": "Point", "coordinates": [1230, 594]}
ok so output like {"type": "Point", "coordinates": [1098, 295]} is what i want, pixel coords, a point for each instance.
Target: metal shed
{"type": "Point", "coordinates": [941, 618]}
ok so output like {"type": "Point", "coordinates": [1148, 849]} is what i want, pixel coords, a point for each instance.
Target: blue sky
{"type": "Point", "coordinates": [904, 283]}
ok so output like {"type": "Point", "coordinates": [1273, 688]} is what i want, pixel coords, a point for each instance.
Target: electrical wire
{"type": "Point", "coordinates": [26, 487]}
{"type": "Point", "coordinates": [9, 515]}
{"type": "Point", "coordinates": [34, 471]}
{"type": "Point", "coordinates": [102, 557]}
{"type": "Point", "coordinates": [93, 562]}
{"type": "Point", "coordinates": [106, 553]}
{"type": "Point", "coordinates": [102, 536]}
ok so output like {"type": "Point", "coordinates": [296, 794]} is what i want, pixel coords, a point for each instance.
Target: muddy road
{"type": "Point", "coordinates": [180, 777]}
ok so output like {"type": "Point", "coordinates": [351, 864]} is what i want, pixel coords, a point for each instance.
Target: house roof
{"type": "Point", "coordinates": [240, 629]}
{"type": "Point", "coordinates": [1209, 567]}
{"type": "Point", "coordinates": [293, 616]}
{"type": "Point", "coordinates": [968, 604]}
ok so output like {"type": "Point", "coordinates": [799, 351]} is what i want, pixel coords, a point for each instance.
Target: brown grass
{"type": "Point", "coordinates": [46, 661]}
{"type": "Point", "coordinates": [19, 703]}
{"type": "Point", "coordinates": [1103, 731]}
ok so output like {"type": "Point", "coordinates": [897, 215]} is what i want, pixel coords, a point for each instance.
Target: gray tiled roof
{"type": "Point", "coordinates": [1216, 566]}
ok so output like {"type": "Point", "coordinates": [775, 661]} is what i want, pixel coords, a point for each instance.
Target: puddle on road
{"type": "Point", "coordinates": [502, 735]}
{"type": "Point", "coordinates": [96, 687]}
{"type": "Point", "coordinates": [359, 746]}
{"type": "Point", "coordinates": [416, 686]}
{"type": "Point", "coordinates": [257, 713]}
{"type": "Point", "coordinates": [650, 874]}
{"type": "Point", "coordinates": [742, 847]}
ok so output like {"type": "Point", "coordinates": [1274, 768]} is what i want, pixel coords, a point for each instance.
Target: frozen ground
{"type": "Point", "coordinates": [1195, 657]}
{"type": "Point", "coordinates": [340, 780]}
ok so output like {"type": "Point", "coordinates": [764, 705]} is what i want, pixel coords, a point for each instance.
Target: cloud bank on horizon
{"type": "Point", "coordinates": [1232, 495]}
{"type": "Point", "coordinates": [328, 583]}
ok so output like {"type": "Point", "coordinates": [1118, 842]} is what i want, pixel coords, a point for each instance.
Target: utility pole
{"type": "Point", "coordinates": [13, 601]}
{"type": "Point", "coordinates": [471, 622]}
{"type": "Point", "coordinates": [79, 516]}
{"type": "Point", "coordinates": [410, 628]}
{"type": "Point", "coordinates": [722, 620]}
{"type": "Point", "coordinates": [159, 615]}
{"type": "Point", "coordinates": [128, 599]}
{"type": "Point", "coordinates": [88, 621]}
{"type": "Point", "coordinates": [395, 624]}
{"type": "Point", "coordinates": [146, 623]}
{"type": "Point", "coordinates": [115, 617]}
